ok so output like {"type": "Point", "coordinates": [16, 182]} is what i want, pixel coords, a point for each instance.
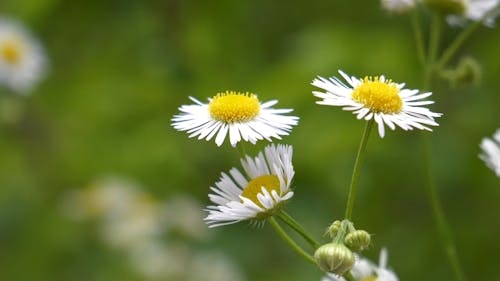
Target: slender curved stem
{"type": "Point", "coordinates": [439, 218]}
{"type": "Point", "coordinates": [290, 241]}
{"type": "Point", "coordinates": [355, 172]}
{"type": "Point", "coordinates": [455, 45]}
{"type": "Point", "coordinates": [417, 30]}
{"type": "Point", "coordinates": [435, 34]}
{"type": "Point", "coordinates": [290, 221]}
{"type": "Point", "coordinates": [460, 39]}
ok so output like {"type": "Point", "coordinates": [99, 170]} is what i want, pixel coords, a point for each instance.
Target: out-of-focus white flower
{"type": "Point", "coordinates": [241, 115]}
{"type": "Point", "coordinates": [364, 269]}
{"type": "Point", "coordinates": [22, 59]}
{"type": "Point", "coordinates": [134, 223]}
{"type": "Point", "coordinates": [491, 152]}
{"type": "Point", "coordinates": [398, 6]}
{"type": "Point", "coordinates": [475, 10]}
{"type": "Point", "coordinates": [158, 261]}
{"type": "Point", "coordinates": [182, 214]}
{"type": "Point", "coordinates": [212, 267]}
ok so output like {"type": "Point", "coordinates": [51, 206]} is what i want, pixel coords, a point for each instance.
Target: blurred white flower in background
{"type": "Point", "coordinates": [398, 6]}
{"type": "Point", "coordinates": [475, 10]}
{"type": "Point", "coordinates": [491, 152]}
{"type": "Point", "coordinates": [23, 61]}
{"type": "Point", "coordinates": [156, 236]}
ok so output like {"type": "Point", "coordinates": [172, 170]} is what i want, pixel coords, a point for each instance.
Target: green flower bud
{"type": "Point", "coordinates": [334, 258]}
{"type": "Point", "coordinates": [334, 228]}
{"type": "Point", "coordinates": [447, 6]}
{"type": "Point", "coordinates": [358, 240]}
{"type": "Point", "coordinates": [468, 71]}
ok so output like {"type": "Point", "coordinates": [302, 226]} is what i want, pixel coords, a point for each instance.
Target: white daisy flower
{"type": "Point", "coordinates": [239, 114]}
{"type": "Point", "coordinates": [379, 98]}
{"type": "Point", "coordinates": [364, 269]}
{"type": "Point", "coordinates": [398, 6]}
{"type": "Point", "coordinates": [475, 10]}
{"type": "Point", "coordinates": [22, 58]}
{"type": "Point", "coordinates": [257, 196]}
{"type": "Point", "coordinates": [491, 152]}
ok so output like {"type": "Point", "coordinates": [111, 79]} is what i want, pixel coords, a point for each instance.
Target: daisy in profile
{"type": "Point", "coordinates": [378, 98]}
{"type": "Point", "coordinates": [258, 194]}
{"type": "Point", "coordinates": [364, 269]}
{"type": "Point", "coordinates": [240, 115]}
{"type": "Point", "coordinates": [474, 10]}
{"type": "Point", "coordinates": [22, 58]}
{"type": "Point", "coordinates": [491, 152]}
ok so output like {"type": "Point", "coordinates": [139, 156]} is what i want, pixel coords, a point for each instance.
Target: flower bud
{"type": "Point", "coordinates": [334, 258]}
{"type": "Point", "coordinates": [447, 6]}
{"type": "Point", "coordinates": [334, 228]}
{"type": "Point", "coordinates": [358, 240]}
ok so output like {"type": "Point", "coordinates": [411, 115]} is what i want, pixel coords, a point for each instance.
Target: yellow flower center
{"type": "Point", "coordinates": [254, 187]}
{"type": "Point", "coordinates": [231, 106]}
{"type": "Point", "coordinates": [11, 52]}
{"type": "Point", "coordinates": [369, 278]}
{"type": "Point", "coordinates": [379, 96]}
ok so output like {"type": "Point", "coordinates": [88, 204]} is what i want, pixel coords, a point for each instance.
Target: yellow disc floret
{"type": "Point", "coordinates": [370, 278]}
{"type": "Point", "coordinates": [378, 96]}
{"type": "Point", "coordinates": [254, 187]}
{"type": "Point", "coordinates": [232, 106]}
{"type": "Point", "coordinates": [10, 51]}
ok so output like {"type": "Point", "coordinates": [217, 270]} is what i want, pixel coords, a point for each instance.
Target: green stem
{"type": "Point", "coordinates": [435, 35]}
{"type": "Point", "coordinates": [355, 172]}
{"type": "Point", "coordinates": [290, 241]}
{"type": "Point", "coordinates": [439, 218]}
{"type": "Point", "coordinates": [460, 39]}
{"type": "Point", "coordinates": [292, 223]}
{"type": "Point", "coordinates": [418, 37]}
{"type": "Point", "coordinates": [455, 45]}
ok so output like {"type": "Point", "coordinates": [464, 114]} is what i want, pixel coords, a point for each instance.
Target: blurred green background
{"type": "Point", "coordinates": [120, 69]}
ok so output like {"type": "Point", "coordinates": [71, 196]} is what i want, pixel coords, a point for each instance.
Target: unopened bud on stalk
{"type": "Point", "coordinates": [334, 228]}
{"type": "Point", "coordinates": [334, 258]}
{"type": "Point", "coordinates": [447, 6]}
{"type": "Point", "coordinates": [358, 240]}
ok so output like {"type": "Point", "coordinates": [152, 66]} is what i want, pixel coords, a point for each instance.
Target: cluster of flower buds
{"type": "Point", "coordinates": [337, 256]}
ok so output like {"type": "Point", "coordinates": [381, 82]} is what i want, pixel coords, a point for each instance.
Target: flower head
{"type": "Point", "coordinates": [22, 59]}
{"type": "Point", "coordinates": [241, 115]}
{"type": "Point", "coordinates": [364, 269]}
{"type": "Point", "coordinates": [475, 10]}
{"type": "Point", "coordinates": [491, 152]}
{"type": "Point", "coordinates": [379, 98]}
{"type": "Point", "coordinates": [258, 195]}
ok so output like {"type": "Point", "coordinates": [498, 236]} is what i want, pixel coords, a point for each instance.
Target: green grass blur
{"type": "Point", "coordinates": [120, 69]}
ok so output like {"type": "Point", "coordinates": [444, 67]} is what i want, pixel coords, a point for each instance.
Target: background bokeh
{"type": "Point", "coordinates": [120, 69]}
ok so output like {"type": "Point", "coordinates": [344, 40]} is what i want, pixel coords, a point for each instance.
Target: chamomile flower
{"type": "Point", "coordinates": [475, 10]}
{"type": "Point", "coordinates": [22, 58]}
{"type": "Point", "coordinates": [257, 196]}
{"type": "Point", "coordinates": [364, 269]}
{"type": "Point", "coordinates": [241, 115]}
{"type": "Point", "coordinates": [491, 152]}
{"type": "Point", "coordinates": [378, 98]}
